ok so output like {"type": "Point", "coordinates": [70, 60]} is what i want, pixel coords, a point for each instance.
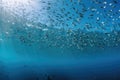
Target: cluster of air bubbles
{"type": "Point", "coordinates": [93, 15]}
{"type": "Point", "coordinates": [65, 24]}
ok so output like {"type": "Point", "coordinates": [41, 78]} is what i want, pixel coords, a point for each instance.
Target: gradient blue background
{"type": "Point", "coordinates": [21, 62]}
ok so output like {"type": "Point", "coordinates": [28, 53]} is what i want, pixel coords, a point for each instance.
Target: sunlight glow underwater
{"type": "Point", "coordinates": [59, 39]}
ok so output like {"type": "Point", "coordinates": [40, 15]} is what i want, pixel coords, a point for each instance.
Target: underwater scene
{"type": "Point", "coordinates": [59, 39]}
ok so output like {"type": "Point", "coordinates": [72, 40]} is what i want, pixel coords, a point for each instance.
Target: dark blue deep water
{"type": "Point", "coordinates": [59, 39]}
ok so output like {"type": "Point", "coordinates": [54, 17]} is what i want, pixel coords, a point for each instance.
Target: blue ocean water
{"type": "Point", "coordinates": [59, 39]}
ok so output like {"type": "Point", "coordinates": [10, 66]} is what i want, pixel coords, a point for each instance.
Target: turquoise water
{"type": "Point", "coordinates": [59, 39]}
